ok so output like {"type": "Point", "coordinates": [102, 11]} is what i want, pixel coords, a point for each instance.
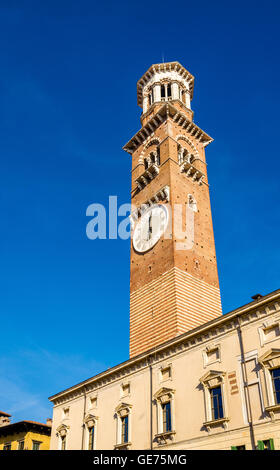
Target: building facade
{"type": "Point", "coordinates": [196, 379]}
{"type": "Point", "coordinates": [23, 435]}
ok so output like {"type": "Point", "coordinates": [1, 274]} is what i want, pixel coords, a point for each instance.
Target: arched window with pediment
{"type": "Point", "coordinates": [62, 433]}
{"type": "Point", "coordinates": [90, 422]}
{"type": "Point", "coordinates": [123, 416]}
{"type": "Point", "coordinates": [164, 399]}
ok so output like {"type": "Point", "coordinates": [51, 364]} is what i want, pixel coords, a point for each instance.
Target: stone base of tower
{"type": "Point", "coordinates": [169, 306]}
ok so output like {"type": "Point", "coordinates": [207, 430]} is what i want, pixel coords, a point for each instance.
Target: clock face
{"type": "Point", "coordinates": [150, 228]}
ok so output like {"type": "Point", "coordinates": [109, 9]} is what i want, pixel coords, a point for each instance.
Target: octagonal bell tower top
{"type": "Point", "coordinates": [166, 81]}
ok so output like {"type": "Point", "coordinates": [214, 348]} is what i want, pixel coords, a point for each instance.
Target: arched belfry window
{"type": "Point", "coordinates": [152, 159]}
{"type": "Point", "coordinates": [165, 92]}
{"type": "Point", "coordinates": [184, 155]}
{"type": "Point", "coordinates": [169, 91]}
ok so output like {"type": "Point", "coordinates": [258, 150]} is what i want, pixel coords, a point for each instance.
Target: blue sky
{"type": "Point", "coordinates": [67, 106]}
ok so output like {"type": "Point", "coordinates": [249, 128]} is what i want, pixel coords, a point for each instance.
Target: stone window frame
{"type": "Point", "coordinates": [124, 394]}
{"type": "Point", "coordinates": [210, 380]}
{"type": "Point", "coordinates": [179, 91]}
{"type": "Point", "coordinates": [209, 348]}
{"type": "Point", "coordinates": [62, 431]}
{"type": "Point", "coordinates": [34, 442]}
{"type": "Point", "coordinates": [8, 443]}
{"type": "Point", "coordinates": [190, 144]}
{"type": "Point", "coordinates": [162, 368]}
{"type": "Point", "coordinates": [270, 360]}
{"type": "Point", "coordinates": [20, 441]}
{"type": "Point", "coordinates": [266, 325]}
{"type": "Point", "coordinates": [162, 396]}
{"type": "Point", "coordinates": [166, 85]}
{"type": "Point", "coordinates": [91, 398]}
{"type": "Point", "coordinates": [90, 421]}
{"type": "Point", "coordinates": [123, 410]}
{"type": "Point", "coordinates": [65, 412]}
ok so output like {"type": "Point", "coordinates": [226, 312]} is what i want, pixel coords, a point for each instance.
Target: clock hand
{"type": "Point", "coordinates": [150, 228]}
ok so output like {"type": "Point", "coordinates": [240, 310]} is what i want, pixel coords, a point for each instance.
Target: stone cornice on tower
{"type": "Point", "coordinates": [167, 111]}
{"type": "Point", "coordinates": [167, 67]}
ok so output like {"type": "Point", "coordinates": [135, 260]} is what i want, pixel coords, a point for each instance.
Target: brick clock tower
{"type": "Point", "coordinates": [174, 284]}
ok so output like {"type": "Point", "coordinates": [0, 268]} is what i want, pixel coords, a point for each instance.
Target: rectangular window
{"type": "Point", "coordinates": [213, 355]}
{"type": "Point", "coordinates": [93, 402]}
{"type": "Point", "coordinates": [124, 424]}
{"type": "Point", "coordinates": [125, 389]}
{"type": "Point", "coordinates": [21, 445]}
{"type": "Point", "coordinates": [216, 403]}
{"type": "Point", "coordinates": [91, 438]}
{"type": "Point", "coordinates": [267, 444]}
{"type": "Point", "coordinates": [275, 374]}
{"type": "Point", "coordinates": [243, 447]}
{"type": "Point", "coordinates": [7, 446]}
{"type": "Point", "coordinates": [36, 445]}
{"type": "Point", "coordinates": [271, 333]}
{"type": "Point", "coordinates": [169, 91]}
{"type": "Point", "coordinates": [162, 92]}
{"type": "Point", "coordinates": [166, 416]}
{"type": "Point", "coordinates": [166, 373]}
{"type": "Point", "coordinates": [63, 442]}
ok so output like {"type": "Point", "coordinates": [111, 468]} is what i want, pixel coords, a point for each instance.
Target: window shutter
{"type": "Point", "coordinates": [260, 445]}
{"type": "Point", "coordinates": [233, 448]}
{"type": "Point", "coordinates": [271, 444]}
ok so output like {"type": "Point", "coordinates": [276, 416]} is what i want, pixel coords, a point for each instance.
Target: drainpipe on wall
{"type": "Point", "coordinates": [83, 424]}
{"type": "Point", "coordinates": [246, 387]}
{"type": "Point", "coordinates": [151, 401]}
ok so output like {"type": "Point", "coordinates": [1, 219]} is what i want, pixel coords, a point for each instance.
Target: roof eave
{"type": "Point", "coordinates": [272, 296]}
{"type": "Point", "coordinates": [166, 110]}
